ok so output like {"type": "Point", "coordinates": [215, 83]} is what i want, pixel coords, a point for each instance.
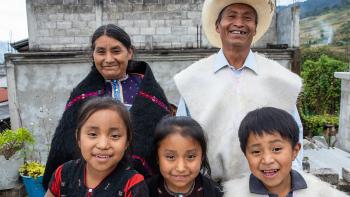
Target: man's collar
{"type": "Point", "coordinates": [257, 187]}
{"type": "Point", "coordinates": [221, 62]}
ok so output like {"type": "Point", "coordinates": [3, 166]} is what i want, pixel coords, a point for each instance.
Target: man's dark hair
{"type": "Point", "coordinates": [268, 120]}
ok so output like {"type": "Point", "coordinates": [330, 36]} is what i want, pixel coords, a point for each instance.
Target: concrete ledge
{"type": "Point", "coordinates": [342, 75]}
{"type": "Point", "coordinates": [327, 174]}
{"type": "Point", "coordinates": [79, 56]}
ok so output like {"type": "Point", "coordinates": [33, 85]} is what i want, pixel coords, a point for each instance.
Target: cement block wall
{"type": "Point", "coordinates": [56, 25]}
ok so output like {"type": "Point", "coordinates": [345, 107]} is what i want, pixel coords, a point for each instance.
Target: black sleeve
{"type": "Point", "coordinates": [152, 184]}
{"type": "Point", "coordinates": [138, 190]}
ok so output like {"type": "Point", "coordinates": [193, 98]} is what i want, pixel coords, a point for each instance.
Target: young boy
{"type": "Point", "coordinates": [269, 139]}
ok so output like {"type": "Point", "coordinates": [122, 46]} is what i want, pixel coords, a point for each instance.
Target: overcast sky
{"type": "Point", "coordinates": [13, 19]}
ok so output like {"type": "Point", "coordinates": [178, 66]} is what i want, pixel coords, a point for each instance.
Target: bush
{"type": "Point", "coordinates": [12, 141]}
{"type": "Point", "coordinates": [321, 92]}
{"type": "Point", "coordinates": [313, 124]}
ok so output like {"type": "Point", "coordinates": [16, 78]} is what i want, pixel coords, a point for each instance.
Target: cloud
{"type": "Point", "coordinates": [287, 2]}
{"type": "Point", "coordinates": [13, 20]}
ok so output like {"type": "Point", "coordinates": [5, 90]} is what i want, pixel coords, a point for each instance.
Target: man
{"type": "Point", "coordinates": [220, 90]}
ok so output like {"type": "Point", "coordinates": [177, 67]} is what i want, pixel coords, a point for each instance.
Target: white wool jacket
{"type": "Point", "coordinates": [315, 187]}
{"type": "Point", "coordinates": [219, 101]}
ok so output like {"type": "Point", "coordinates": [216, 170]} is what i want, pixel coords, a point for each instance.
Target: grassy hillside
{"type": "Point", "coordinates": [330, 28]}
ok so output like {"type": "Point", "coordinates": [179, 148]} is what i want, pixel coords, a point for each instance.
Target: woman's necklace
{"type": "Point", "coordinates": [117, 89]}
{"type": "Point", "coordinates": [179, 194]}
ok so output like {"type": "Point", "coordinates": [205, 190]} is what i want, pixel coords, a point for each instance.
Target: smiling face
{"type": "Point", "coordinates": [111, 57]}
{"type": "Point", "coordinates": [270, 159]}
{"type": "Point", "coordinates": [103, 141]}
{"type": "Point", "coordinates": [180, 160]}
{"type": "Point", "coordinates": [237, 26]}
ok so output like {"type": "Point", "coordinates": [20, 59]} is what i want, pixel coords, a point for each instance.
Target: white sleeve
{"type": "Point", "coordinates": [297, 163]}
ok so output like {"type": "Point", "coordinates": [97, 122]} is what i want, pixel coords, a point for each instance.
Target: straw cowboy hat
{"type": "Point", "coordinates": [212, 8]}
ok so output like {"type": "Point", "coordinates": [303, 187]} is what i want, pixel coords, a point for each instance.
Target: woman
{"type": "Point", "coordinates": [115, 74]}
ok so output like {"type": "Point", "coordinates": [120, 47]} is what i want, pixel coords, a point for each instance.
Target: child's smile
{"type": "Point", "coordinates": [102, 157]}
{"type": "Point", "coordinates": [270, 173]}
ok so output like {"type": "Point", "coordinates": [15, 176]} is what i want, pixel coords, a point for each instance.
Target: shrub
{"type": "Point", "coordinates": [321, 92]}
{"type": "Point", "coordinates": [313, 124]}
{"type": "Point", "coordinates": [13, 141]}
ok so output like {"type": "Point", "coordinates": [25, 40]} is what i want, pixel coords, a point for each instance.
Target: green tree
{"type": "Point", "coordinates": [321, 93]}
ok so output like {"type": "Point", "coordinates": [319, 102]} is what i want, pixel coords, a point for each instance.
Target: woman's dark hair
{"type": "Point", "coordinates": [268, 120]}
{"type": "Point", "coordinates": [187, 127]}
{"type": "Point", "coordinates": [95, 104]}
{"type": "Point", "coordinates": [112, 31]}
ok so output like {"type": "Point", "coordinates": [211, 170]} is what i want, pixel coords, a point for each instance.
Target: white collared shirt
{"type": "Point", "coordinates": [221, 62]}
{"type": "Point", "coordinates": [249, 63]}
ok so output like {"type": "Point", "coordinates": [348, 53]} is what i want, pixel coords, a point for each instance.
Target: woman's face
{"type": "Point", "coordinates": [111, 57]}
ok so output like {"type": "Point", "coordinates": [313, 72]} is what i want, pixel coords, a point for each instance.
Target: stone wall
{"type": "Point", "coordinates": [57, 25]}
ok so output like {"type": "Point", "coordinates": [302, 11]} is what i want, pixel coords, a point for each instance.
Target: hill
{"type": "Point", "coordinates": [331, 27]}
{"type": "Point", "coordinates": [316, 7]}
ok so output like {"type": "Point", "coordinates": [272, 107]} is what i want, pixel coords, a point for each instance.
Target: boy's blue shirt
{"type": "Point", "coordinates": [257, 187]}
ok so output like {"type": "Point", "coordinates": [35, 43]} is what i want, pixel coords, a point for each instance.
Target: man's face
{"type": "Point", "coordinates": [237, 26]}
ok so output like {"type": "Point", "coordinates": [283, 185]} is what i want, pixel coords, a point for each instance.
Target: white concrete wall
{"type": "Point", "coordinates": [38, 91]}
{"type": "Point", "coordinates": [288, 26]}
{"type": "Point", "coordinates": [343, 136]}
